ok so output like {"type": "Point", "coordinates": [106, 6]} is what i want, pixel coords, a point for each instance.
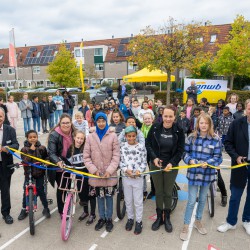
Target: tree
{"type": "Point", "coordinates": [63, 70]}
{"type": "Point", "coordinates": [233, 58]}
{"type": "Point", "coordinates": [90, 72]}
{"type": "Point", "coordinates": [175, 45]}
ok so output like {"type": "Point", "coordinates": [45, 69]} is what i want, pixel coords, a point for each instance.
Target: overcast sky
{"type": "Point", "coordinates": [51, 21]}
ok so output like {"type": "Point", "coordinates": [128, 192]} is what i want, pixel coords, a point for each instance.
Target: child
{"type": "Point", "coordinates": [59, 101]}
{"type": "Point", "coordinates": [97, 109]}
{"type": "Point", "coordinates": [26, 106]}
{"type": "Point", "coordinates": [75, 157]}
{"type": "Point", "coordinates": [224, 122]}
{"type": "Point", "coordinates": [84, 108]}
{"type": "Point", "coordinates": [189, 107]}
{"type": "Point", "coordinates": [80, 123]}
{"type": "Point", "coordinates": [204, 147]}
{"type": "Point", "coordinates": [44, 109]}
{"type": "Point", "coordinates": [136, 108]}
{"type": "Point", "coordinates": [212, 113]}
{"type": "Point", "coordinates": [133, 163]}
{"type": "Point", "coordinates": [52, 109]}
{"type": "Point", "coordinates": [158, 117]}
{"type": "Point", "coordinates": [150, 104]}
{"type": "Point", "coordinates": [240, 111]}
{"type": "Point", "coordinates": [176, 106]}
{"type": "Point", "coordinates": [36, 114]}
{"type": "Point", "coordinates": [125, 107]}
{"type": "Point", "coordinates": [194, 118]}
{"type": "Point", "coordinates": [34, 148]}
{"type": "Point", "coordinates": [12, 111]}
{"type": "Point", "coordinates": [144, 110]}
{"type": "Point", "coordinates": [117, 121]}
{"type": "Point", "coordinates": [232, 102]}
{"type": "Point", "coordinates": [219, 108]}
{"type": "Point", "coordinates": [204, 104]}
{"type": "Point", "coordinates": [183, 122]}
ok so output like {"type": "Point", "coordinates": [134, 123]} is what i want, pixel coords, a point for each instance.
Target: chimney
{"type": "Point", "coordinates": [113, 36]}
{"type": "Point", "coordinates": [25, 45]}
{"type": "Point", "coordinates": [132, 35]}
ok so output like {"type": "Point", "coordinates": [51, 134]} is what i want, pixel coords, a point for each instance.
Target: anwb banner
{"type": "Point", "coordinates": [213, 90]}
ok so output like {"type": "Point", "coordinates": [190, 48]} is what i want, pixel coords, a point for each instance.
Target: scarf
{"type": "Point", "coordinates": [67, 140]}
{"type": "Point", "coordinates": [101, 132]}
{"type": "Point", "coordinates": [145, 129]}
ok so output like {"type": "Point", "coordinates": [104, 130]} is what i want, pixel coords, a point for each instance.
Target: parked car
{"type": "Point", "coordinates": [246, 88]}
{"type": "Point", "coordinates": [98, 95]}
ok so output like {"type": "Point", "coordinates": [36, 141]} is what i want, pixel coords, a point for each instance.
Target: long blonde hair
{"type": "Point", "coordinates": [208, 119]}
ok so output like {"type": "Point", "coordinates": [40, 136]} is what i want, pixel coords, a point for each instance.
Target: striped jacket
{"type": "Point", "coordinates": [207, 149]}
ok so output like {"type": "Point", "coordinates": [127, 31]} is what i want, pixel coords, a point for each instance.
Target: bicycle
{"type": "Point", "coordinates": [70, 200]}
{"type": "Point", "coordinates": [30, 193]}
{"type": "Point", "coordinates": [211, 196]}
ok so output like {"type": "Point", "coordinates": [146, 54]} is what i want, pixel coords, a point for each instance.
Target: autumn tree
{"type": "Point", "coordinates": [63, 70]}
{"type": "Point", "coordinates": [174, 45]}
{"type": "Point", "coordinates": [233, 58]}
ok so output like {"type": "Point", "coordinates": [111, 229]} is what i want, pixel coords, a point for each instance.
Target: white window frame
{"type": "Point", "coordinates": [130, 65]}
{"type": "Point", "coordinates": [36, 70]}
{"type": "Point", "coordinates": [213, 38]}
{"type": "Point", "coordinates": [99, 68]}
{"type": "Point", "coordinates": [11, 71]}
{"type": "Point", "coordinates": [112, 50]}
{"type": "Point", "coordinates": [97, 50]}
{"type": "Point", "coordinates": [1, 57]}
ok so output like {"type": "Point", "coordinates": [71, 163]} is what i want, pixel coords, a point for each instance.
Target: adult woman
{"type": "Point", "coordinates": [165, 145]}
{"type": "Point", "coordinates": [60, 139]}
{"type": "Point", "coordinates": [122, 91]}
{"type": "Point", "coordinates": [84, 108]}
{"type": "Point", "coordinates": [101, 157]}
{"type": "Point", "coordinates": [58, 99]}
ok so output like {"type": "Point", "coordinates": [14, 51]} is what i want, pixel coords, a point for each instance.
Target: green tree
{"type": "Point", "coordinates": [233, 58]}
{"type": "Point", "coordinates": [175, 45]}
{"type": "Point", "coordinates": [63, 70]}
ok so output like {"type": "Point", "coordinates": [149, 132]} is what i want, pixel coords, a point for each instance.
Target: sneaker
{"type": "Point", "coordinates": [201, 229]}
{"type": "Point", "coordinates": [91, 219]}
{"type": "Point", "coordinates": [223, 201]}
{"type": "Point", "coordinates": [138, 228]}
{"type": "Point", "coordinates": [8, 219]}
{"type": "Point", "coordinates": [129, 225]}
{"type": "Point", "coordinates": [225, 227]}
{"type": "Point", "coordinates": [83, 216]}
{"type": "Point", "coordinates": [23, 214]}
{"type": "Point", "coordinates": [46, 213]}
{"type": "Point", "coordinates": [109, 225]}
{"type": "Point", "coordinates": [100, 224]}
{"type": "Point", "coordinates": [184, 232]}
{"type": "Point", "coordinates": [145, 194]}
{"type": "Point", "coordinates": [246, 225]}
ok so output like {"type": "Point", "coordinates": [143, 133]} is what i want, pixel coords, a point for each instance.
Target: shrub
{"type": "Point", "coordinates": [153, 89]}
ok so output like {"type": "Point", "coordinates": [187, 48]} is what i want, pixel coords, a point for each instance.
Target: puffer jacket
{"type": "Point", "coordinates": [39, 152]}
{"type": "Point", "coordinates": [102, 156]}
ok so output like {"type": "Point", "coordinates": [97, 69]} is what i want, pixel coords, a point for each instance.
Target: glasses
{"type": "Point", "coordinates": [65, 123]}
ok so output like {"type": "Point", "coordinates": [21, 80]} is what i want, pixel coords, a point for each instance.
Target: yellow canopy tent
{"type": "Point", "coordinates": [145, 75]}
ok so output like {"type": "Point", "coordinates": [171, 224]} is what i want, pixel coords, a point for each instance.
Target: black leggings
{"type": "Point", "coordinates": [221, 184]}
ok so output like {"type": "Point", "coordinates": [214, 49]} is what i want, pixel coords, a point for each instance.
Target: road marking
{"type": "Point", "coordinates": [104, 234]}
{"type": "Point", "coordinates": [93, 247]}
{"type": "Point", "coordinates": [24, 231]}
{"type": "Point", "coordinates": [116, 219]}
{"type": "Point", "coordinates": [226, 160]}
{"type": "Point", "coordinates": [191, 226]}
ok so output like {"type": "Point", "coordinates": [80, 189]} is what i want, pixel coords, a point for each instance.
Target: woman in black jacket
{"type": "Point", "coordinates": [60, 139]}
{"type": "Point", "coordinates": [165, 145]}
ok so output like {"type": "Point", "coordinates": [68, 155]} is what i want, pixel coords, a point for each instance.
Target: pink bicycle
{"type": "Point", "coordinates": [71, 188]}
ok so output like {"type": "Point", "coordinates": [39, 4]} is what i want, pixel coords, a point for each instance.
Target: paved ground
{"type": "Point", "coordinates": [48, 237]}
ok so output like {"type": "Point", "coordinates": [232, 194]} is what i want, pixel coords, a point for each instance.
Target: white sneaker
{"type": "Point", "coordinates": [246, 225]}
{"type": "Point", "coordinates": [40, 133]}
{"type": "Point", "coordinates": [225, 227]}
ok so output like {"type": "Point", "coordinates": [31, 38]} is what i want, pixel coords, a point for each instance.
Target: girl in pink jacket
{"type": "Point", "coordinates": [12, 111]}
{"type": "Point", "coordinates": [101, 157]}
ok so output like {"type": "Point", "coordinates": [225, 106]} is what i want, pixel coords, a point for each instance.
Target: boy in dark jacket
{"type": "Point", "coordinates": [194, 118]}
{"type": "Point", "coordinates": [183, 121]}
{"type": "Point", "coordinates": [36, 114]}
{"type": "Point", "coordinates": [44, 109]}
{"type": "Point", "coordinates": [52, 109]}
{"type": "Point", "coordinates": [33, 147]}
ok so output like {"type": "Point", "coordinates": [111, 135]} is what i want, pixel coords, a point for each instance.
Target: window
{"type": "Point", "coordinates": [38, 54]}
{"type": "Point", "coordinates": [112, 50]}
{"type": "Point", "coordinates": [99, 66]}
{"type": "Point", "coordinates": [55, 53]}
{"type": "Point", "coordinates": [11, 71]}
{"type": "Point", "coordinates": [213, 38]}
{"type": "Point", "coordinates": [36, 70]}
{"type": "Point", "coordinates": [98, 51]}
{"type": "Point", "coordinates": [1, 57]}
{"type": "Point", "coordinates": [78, 53]}
{"type": "Point", "coordinates": [130, 65]}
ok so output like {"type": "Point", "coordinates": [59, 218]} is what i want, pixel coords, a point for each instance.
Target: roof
{"type": "Point", "coordinates": [117, 49]}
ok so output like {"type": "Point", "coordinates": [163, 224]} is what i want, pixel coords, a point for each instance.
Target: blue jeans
{"type": "Point", "coordinates": [26, 124]}
{"type": "Point", "coordinates": [36, 121]}
{"type": "Point", "coordinates": [70, 112]}
{"type": "Point", "coordinates": [51, 120]}
{"type": "Point", "coordinates": [234, 203]}
{"type": "Point", "coordinates": [192, 194]}
{"type": "Point", "coordinates": [58, 114]}
{"type": "Point", "coordinates": [105, 213]}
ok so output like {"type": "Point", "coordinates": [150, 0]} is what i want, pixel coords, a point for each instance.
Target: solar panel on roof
{"type": "Point", "coordinates": [52, 47]}
{"type": "Point", "coordinates": [128, 53]}
{"type": "Point", "coordinates": [46, 60]}
{"type": "Point", "coordinates": [33, 49]}
{"type": "Point", "coordinates": [49, 52]}
{"type": "Point", "coordinates": [29, 54]}
{"type": "Point", "coordinates": [45, 47]}
{"type": "Point", "coordinates": [125, 40]}
{"type": "Point", "coordinates": [42, 60]}
{"type": "Point", "coordinates": [26, 61]}
{"type": "Point", "coordinates": [120, 53]}
{"type": "Point", "coordinates": [68, 46]}
{"type": "Point", "coordinates": [38, 60]}
{"type": "Point", "coordinates": [51, 58]}
{"type": "Point", "coordinates": [45, 52]}
{"type": "Point", "coordinates": [30, 60]}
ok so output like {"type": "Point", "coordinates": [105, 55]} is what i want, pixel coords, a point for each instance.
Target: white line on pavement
{"type": "Point", "coordinates": [93, 247]}
{"type": "Point", "coordinates": [191, 226]}
{"type": "Point", "coordinates": [24, 231]}
{"type": "Point", "coordinates": [104, 234]}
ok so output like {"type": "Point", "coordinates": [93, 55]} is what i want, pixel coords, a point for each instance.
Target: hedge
{"type": "Point", "coordinates": [243, 96]}
{"type": "Point", "coordinates": [19, 95]}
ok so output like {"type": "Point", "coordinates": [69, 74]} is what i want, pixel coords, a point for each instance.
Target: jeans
{"type": "Point", "coordinates": [58, 114]}
{"type": "Point", "coordinates": [44, 125]}
{"type": "Point", "coordinates": [51, 120]}
{"type": "Point", "coordinates": [223, 138]}
{"type": "Point", "coordinates": [234, 203]}
{"type": "Point", "coordinates": [192, 194]}
{"type": "Point", "coordinates": [26, 124]}
{"type": "Point", "coordinates": [70, 112]}
{"type": "Point", "coordinates": [105, 213]}
{"type": "Point", "coordinates": [36, 121]}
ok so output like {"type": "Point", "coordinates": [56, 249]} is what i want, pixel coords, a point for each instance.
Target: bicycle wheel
{"type": "Point", "coordinates": [120, 202]}
{"type": "Point", "coordinates": [210, 200]}
{"type": "Point", "coordinates": [31, 212]}
{"type": "Point", "coordinates": [174, 198]}
{"type": "Point", "coordinates": [67, 217]}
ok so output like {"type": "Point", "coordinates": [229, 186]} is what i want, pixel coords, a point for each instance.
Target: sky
{"type": "Point", "coordinates": [37, 22]}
